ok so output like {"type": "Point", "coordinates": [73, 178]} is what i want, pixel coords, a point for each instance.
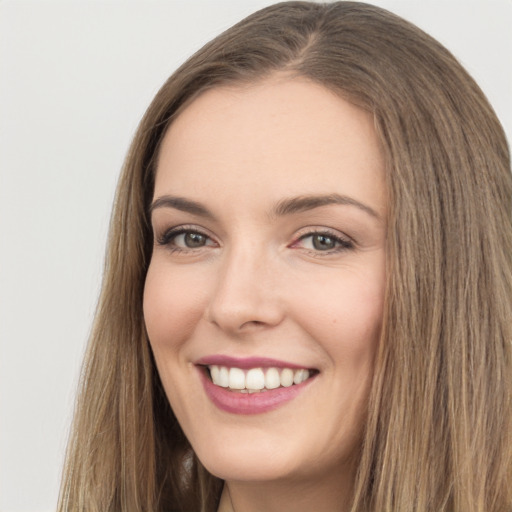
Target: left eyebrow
{"type": "Point", "coordinates": [303, 203]}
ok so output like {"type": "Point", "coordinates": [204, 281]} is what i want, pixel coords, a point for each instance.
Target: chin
{"type": "Point", "coordinates": [259, 456]}
{"type": "Point", "coordinates": [246, 469]}
{"type": "Point", "coordinates": [245, 459]}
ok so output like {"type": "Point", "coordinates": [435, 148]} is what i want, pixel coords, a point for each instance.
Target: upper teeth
{"type": "Point", "coordinates": [256, 379]}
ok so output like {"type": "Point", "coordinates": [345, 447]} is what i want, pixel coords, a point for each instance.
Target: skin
{"type": "Point", "coordinates": [258, 284]}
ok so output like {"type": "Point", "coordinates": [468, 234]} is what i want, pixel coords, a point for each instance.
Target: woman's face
{"type": "Point", "coordinates": [268, 267]}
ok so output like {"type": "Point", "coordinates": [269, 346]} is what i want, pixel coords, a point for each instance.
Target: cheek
{"type": "Point", "coordinates": [344, 313]}
{"type": "Point", "coordinates": [172, 307]}
{"type": "Point", "coordinates": [344, 316]}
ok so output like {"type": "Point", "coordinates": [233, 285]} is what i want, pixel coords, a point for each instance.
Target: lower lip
{"type": "Point", "coordinates": [250, 403]}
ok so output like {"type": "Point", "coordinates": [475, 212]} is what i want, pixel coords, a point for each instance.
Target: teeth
{"type": "Point", "coordinates": [272, 379]}
{"type": "Point", "coordinates": [300, 376]}
{"type": "Point", "coordinates": [287, 377]}
{"type": "Point", "coordinates": [236, 378]}
{"type": "Point", "coordinates": [215, 373]}
{"type": "Point", "coordinates": [223, 377]}
{"type": "Point", "coordinates": [256, 379]}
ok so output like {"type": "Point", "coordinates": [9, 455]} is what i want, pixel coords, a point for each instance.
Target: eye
{"type": "Point", "coordinates": [325, 242]}
{"type": "Point", "coordinates": [190, 240]}
{"type": "Point", "coordinates": [322, 242]}
{"type": "Point", "coordinates": [185, 239]}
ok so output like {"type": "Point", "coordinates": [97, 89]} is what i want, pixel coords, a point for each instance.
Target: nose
{"type": "Point", "coordinates": [246, 293]}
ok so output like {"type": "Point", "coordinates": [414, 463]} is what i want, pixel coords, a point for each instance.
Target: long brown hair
{"type": "Point", "coordinates": [439, 427]}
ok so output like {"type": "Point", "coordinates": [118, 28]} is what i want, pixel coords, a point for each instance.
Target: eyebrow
{"type": "Point", "coordinates": [182, 204]}
{"type": "Point", "coordinates": [282, 208]}
{"type": "Point", "coordinates": [309, 202]}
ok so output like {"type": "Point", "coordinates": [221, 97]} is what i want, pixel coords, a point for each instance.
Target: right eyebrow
{"type": "Point", "coordinates": [180, 203]}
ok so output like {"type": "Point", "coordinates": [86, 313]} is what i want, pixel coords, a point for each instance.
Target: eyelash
{"type": "Point", "coordinates": [343, 243]}
{"type": "Point", "coordinates": [168, 237]}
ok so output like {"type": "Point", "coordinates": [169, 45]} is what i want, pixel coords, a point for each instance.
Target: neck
{"type": "Point", "coordinates": [329, 494]}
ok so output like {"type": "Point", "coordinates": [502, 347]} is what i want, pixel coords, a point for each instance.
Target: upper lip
{"type": "Point", "coordinates": [246, 362]}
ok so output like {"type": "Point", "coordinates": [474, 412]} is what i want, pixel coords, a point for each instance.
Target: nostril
{"type": "Point", "coordinates": [255, 323]}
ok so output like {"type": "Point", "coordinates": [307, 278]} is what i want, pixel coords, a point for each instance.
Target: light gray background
{"type": "Point", "coordinates": [75, 78]}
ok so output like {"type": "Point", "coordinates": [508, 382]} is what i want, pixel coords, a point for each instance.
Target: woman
{"type": "Point", "coordinates": [306, 302]}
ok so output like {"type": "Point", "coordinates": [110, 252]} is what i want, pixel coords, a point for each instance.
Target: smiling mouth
{"type": "Point", "coordinates": [256, 380]}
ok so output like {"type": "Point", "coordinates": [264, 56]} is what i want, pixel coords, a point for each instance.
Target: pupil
{"type": "Point", "coordinates": [194, 240]}
{"type": "Point", "coordinates": [323, 243]}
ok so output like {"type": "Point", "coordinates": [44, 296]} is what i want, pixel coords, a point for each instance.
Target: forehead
{"type": "Point", "coordinates": [279, 135]}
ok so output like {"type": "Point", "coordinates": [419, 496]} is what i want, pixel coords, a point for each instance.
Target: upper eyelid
{"type": "Point", "coordinates": [166, 235]}
{"type": "Point", "coordinates": [183, 228]}
{"type": "Point", "coordinates": [326, 231]}
{"type": "Point", "coordinates": [319, 230]}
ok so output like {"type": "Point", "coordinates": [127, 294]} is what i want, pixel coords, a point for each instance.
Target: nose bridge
{"type": "Point", "coordinates": [245, 294]}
